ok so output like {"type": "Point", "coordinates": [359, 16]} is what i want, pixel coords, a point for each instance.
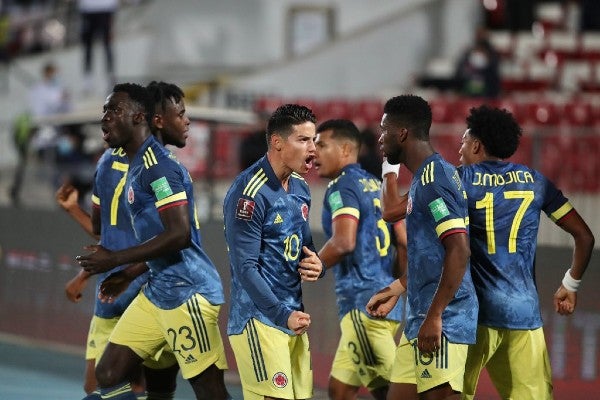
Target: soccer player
{"type": "Point", "coordinates": [505, 203]}
{"type": "Point", "coordinates": [180, 304]}
{"type": "Point", "coordinates": [110, 224]}
{"type": "Point", "coordinates": [271, 252]}
{"type": "Point", "coordinates": [360, 251]}
{"type": "Point", "coordinates": [442, 316]}
{"type": "Point", "coordinates": [105, 315]}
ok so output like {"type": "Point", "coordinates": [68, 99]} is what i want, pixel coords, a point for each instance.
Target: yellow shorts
{"type": "Point", "coordinates": [98, 334]}
{"type": "Point", "coordinates": [272, 363]}
{"type": "Point", "coordinates": [516, 360]}
{"type": "Point", "coordinates": [191, 331]}
{"type": "Point", "coordinates": [363, 356]}
{"type": "Point", "coordinates": [427, 371]}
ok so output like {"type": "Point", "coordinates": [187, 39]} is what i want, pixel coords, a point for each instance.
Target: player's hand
{"type": "Point", "coordinates": [310, 266]}
{"type": "Point", "coordinates": [75, 287]}
{"type": "Point", "coordinates": [298, 322]}
{"type": "Point", "coordinates": [98, 260]}
{"type": "Point", "coordinates": [382, 303]}
{"type": "Point", "coordinates": [67, 196]}
{"type": "Point", "coordinates": [113, 286]}
{"type": "Point", "coordinates": [565, 301]}
{"type": "Point", "coordinates": [429, 338]}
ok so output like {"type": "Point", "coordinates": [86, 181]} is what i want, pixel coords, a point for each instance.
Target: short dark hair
{"type": "Point", "coordinates": [496, 128]}
{"type": "Point", "coordinates": [161, 92]}
{"type": "Point", "coordinates": [342, 128]}
{"type": "Point", "coordinates": [411, 111]}
{"type": "Point", "coordinates": [138, 94]}
{"type": "Point", "coordinates": [287, 116]}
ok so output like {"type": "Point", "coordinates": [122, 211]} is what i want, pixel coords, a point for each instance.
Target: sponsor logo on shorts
{"type": "Point", "coordinates": [280, 380]}
{"type": "Point", "coordinates": [190, 359]}
{"type": "Point", "coordinates": [425, 374]}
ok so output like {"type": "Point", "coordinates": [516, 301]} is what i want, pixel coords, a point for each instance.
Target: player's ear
{"type": "Point", "coordinates": [276, 142]}
{"type": "Point", "coordinates": [157, 121]}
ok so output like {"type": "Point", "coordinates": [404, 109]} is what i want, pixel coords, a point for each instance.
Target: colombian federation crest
{"type": "Point", "coordinates": [280, 380]}
{"type": "Point", "coordinates": [130, 196]}
{"type": "Point", "coordinates": [304, 209]}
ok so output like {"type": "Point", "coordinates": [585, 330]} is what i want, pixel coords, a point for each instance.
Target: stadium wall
{"type": "Point", "coordinates": [37, 250]}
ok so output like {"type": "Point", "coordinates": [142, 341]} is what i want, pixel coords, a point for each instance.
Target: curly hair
{"type": "Point", "coordinates": [411, 111]}
{"type": "Point", "coordinates": [161, 92]}
{"type": "Point", "coordinates": [496, 128]}
{"type": "Point", "coordinates": [287, 116]}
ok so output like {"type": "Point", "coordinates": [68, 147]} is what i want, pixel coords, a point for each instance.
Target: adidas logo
{"type": "Point", "coordinates": [190, 359]}
{"type": "Point", "coordinates": [278, 219]}
{"type": "Point", "coordinates": [92, 344]}
{"type": "Point", "coordinates": [425, 374]}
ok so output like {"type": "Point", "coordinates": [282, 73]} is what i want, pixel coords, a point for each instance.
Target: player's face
{"type": "Point", "coordinates": [117, 119]}
{"type": "Point", "coordinates": [389, 141]}
{"type": "Point", "coordinates": [329, 153]}
{"type": "Point", "coordinates": [298, 150]}
{"type": "Point", "coordinates": [466, 151]}
{"type": "Point", "coordinates": [174, 124]}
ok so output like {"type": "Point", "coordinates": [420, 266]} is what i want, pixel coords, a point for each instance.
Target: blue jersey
{"type": "Point", "coordinates": [265, 229]}
{"type": "Point", "coordinates": [505, 202]}
{"type": "Point", "coordinates": [437, 208]}
{"type": "Point", "coordinates": [356, 194]}
{"type": "Point", "coordinates": [156, 181]}
{"type": "Point", "coordinates": [116, 232]}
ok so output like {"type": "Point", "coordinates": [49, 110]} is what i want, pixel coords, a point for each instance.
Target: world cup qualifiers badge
{"type": "Point", "coordinates": [245, 209]}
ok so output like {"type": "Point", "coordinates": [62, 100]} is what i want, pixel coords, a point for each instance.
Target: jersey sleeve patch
{"type": "Point", "coordinates": [161, 188]}
{"type": "Point", "coordinates": [438, 209]}
{"type": "Point", "coordinates": [335, 201]}
{"type": "Point", "coordinates": [245, 209]}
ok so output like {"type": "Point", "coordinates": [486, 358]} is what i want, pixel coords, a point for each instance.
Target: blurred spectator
{"type": "Point", "coordinates": [590, 15]}
{"type": "Point", "coordinates": [97, 19]}
{"type": "Point", "coordinates": [73, 165]}
{"type": "Point", "coordinates": [478, 69]}
{"type": "Point", "coordinates": [254, 145]}
{"type": "Point", "coordinates": [520, 14]}
{"type": "Point", "coordinates": [22, 130]}
{"type": "Point", "coordinates": [47, 97]}
{"type": "Point", "coordinates": [369, 156]}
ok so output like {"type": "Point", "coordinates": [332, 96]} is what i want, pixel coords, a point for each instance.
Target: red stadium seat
{"type": "Point", "coordinates": [543, 113]}
{"type": "Point", "coordinates": [337, 108]}
{"type": "Point", "coordinates": [578, 113]}
{"type": "Point", "coordinates": [442, 110]}
{"type": "Point", "coordinates": [367, 112]}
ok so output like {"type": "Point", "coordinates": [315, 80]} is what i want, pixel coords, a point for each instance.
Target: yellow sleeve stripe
{"type": "Point", "coordinates": [149, 158]}
{"type": "Point", "coordinates": [95, 200]}
{"type": "Point", "coordinates": [171, 199]}
{"type": "Point", "coordinates": [119, 166]}
{"type": "Point", "coordinates": [561, 212]}
{"type": "Point", "coordinates": [346, 211]}
{"type": "Point", "coordinates": [255, 183]}
{"type": "Point", "coordinates": [427, 176]}
{"type": "Point", "coordinates": [456, 223]}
